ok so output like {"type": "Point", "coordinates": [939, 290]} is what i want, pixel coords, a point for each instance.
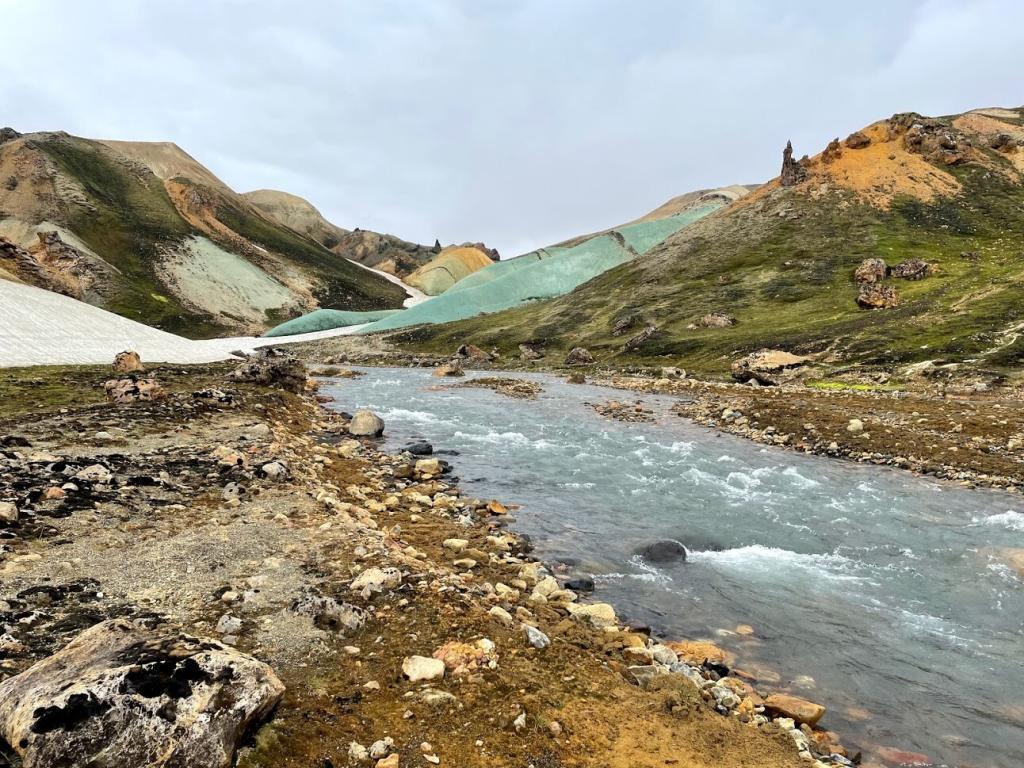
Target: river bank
{"type": "Point", "coordinates": [247, 515]}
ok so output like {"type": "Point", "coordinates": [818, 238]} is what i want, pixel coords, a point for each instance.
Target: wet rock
{"type": "Point", "coordinates": [877, 297]}
{"type": "Point", "coordinates": [800, 710]}
{"type": "Point", "coordinates": [575, 378]}
{"type": "Point", "coordinates": [420, 449]}
{"type": "Point", "coordinates": [366, 423]}
{"type": "Point", "coordinates": [271, 367]}
{"type": "Point", "coordinates": [580, 584]}
{"type": "Point", "coordinates": [579, 356]}
{"type": "Point", "coordinates": [666, 551]}
{"type": "Point", "coordinates": [902, 758]}
{"type": "Point", "coordinates": [453, 368]}
{"type": "Point", "coordinates": [120, 694]}
{"type": "Point", "coordinates": [767, 366]}
{"type": "Point", "coordinates": [598, 614]}
{"type": "Point", "coordinates": [417, 668]}
{"type": "Point", "coordinates": [8, 512]}
{"type": "Point", "coordinates": [123, 391]}
{"type": "Point", "coordinates": [870, 271]}
{"type": "Point", "coordinates": [700, 652]}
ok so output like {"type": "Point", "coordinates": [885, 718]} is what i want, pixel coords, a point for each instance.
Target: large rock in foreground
{"type": "Point", "coordinates": [768, 366]}
{"type": "Point", "coordinates": [366, 423]}
{"type": "Point", "coordinates": [126, 696]}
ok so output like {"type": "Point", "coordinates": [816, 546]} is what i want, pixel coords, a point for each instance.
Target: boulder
{"type": "Point", "coordinates": [857, 140]}
{"type": "Point", "coordinates": [271, 367]}
{"type": "Point", "coordinates": [623, 324]}
{"type": "Point", "coordinates": [912, 269]}
{"type": "Point", "coordinates": [870, 271]}
{"type": "Point", "coordinates": [698, 652]}
{"type": "Point", "coordinates": [875, 296]}
{"type": "Point", "coordinates": [123, 695]}
{"type": "Point", "coordinates": [579, 356]}
{"type": "Point", "coordinates": [767, 366]}
{"type": "Point", "coordinates": [716, 320]}
{"type": "Point", "coordinates": [641, 338]}
{"type": "Point", "coordinates": [666, 551]}
{"type": "Point", "coordinates": [429, 466]}
{"type": "Point", "coordinates": [366, 423]}
{"type": "Point", "coordinates": [598, 614]}
{"type": "Point", "coordinates": [470, 352]}
{"type": "Point", "coordinates": [800, 710]}
{"type": "Point", "coordinates": [376, 579]}
{"type": "Point", "coordinates": [132, 390]}
{"type": "Point", "coordinates": [454, 368]}
{"type": "Point", "coordinates": [575, 378]}
{"type": "Point", "coordinates": [529, 352]}
{"type": "Point", "coordinates": [128, 362]}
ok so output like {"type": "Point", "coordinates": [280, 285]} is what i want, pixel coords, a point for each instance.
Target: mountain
{"type": "Point", "coordinates": [451, 265]}
{"type": "Point", "coordinates": [144, 230]}
{"type": "Point", "coordinates": [939, 200]}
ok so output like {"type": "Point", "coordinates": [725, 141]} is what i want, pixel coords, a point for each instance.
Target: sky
{"type": "Point", "coordinates": [517, 123]}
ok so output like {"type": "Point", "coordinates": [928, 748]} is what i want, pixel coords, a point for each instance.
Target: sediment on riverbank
{"type": "Point", "coordinates": [248, 517]}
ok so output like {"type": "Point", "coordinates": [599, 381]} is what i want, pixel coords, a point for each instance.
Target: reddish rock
{"type": "Point", "coordinates": [800, 710]}
{"type": "Point", "coordinates": [901, 758]}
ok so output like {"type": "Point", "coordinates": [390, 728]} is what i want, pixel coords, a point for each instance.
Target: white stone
{"type": "Point", "coordinates": [418, 668]}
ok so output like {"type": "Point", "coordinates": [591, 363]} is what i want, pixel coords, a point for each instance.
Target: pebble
{"type": "Point", "coordinates": [8, 512]}
{"type": "Point", "coordinates": [418, 668]}
{"type": "Point", "coordinates": [381, 747]}
{"type": "Point", "coordinates": [535, 637]}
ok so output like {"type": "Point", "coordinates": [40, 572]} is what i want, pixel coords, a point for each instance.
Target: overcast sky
{"type": "Point", "coordinates": [515, 123]}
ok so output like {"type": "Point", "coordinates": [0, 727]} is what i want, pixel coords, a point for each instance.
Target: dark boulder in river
{"type": "Point", "coordinates": [580, 584]}
{"type": "Point", "coordinates": [420, 449]}
{"type": "Point", "coordinates": [666, 551]}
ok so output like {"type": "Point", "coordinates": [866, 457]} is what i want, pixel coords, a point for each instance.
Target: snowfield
{"type": "Point", "coordinates": [39, 327]}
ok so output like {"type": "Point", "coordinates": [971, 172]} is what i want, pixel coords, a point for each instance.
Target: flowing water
{"type": "Point", "coordinates": [879, 594]}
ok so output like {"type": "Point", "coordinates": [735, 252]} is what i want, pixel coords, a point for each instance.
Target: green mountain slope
{"type": "Point", "coordinates": [144, 230]}
{"type": "Point", "coordinates": [781, 261]}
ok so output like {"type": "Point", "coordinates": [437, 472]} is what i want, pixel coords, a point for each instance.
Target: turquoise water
{"type": "Point", "coordinates": [885, 590]}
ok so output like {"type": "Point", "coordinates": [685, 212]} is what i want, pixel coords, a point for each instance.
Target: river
{"type": "Point", "coordinates": [879, 594]}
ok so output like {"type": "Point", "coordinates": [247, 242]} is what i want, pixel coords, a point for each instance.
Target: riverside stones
{"type": "Point", "coordinates": [121, 694]}
{"type": "Point", "coordinates": [366, 423]}
{"type": "Point", "coordinates": [767, 366]}
{"type": "Point", "coordinates": [666, 551]}
{"type": "Point", "coordinates": [454, 368]}
{"type": "Point", "coordinates": [800, 710]}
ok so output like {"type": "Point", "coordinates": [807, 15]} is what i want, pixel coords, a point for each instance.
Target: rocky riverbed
{"type": "Point", "coordinates": [228, 547]}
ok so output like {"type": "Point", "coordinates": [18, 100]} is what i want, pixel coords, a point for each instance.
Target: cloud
{"type": "Point", "coordinates": [516, 123]}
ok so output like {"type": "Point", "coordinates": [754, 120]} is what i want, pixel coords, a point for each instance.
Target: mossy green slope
{"type": "Point", "coordinates": [782, 264]}
{"type": "Point", "coordinates": [126, 214]}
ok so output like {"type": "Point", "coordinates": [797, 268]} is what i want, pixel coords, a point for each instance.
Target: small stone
{"type": "Point", "coordinates": [275, 470]}
{"type": "Point", "coordinates": [466, 563]}
{"type": "Point", "coordinates": [501, 615]}
{"type": "Point", "coordinates": [855, 426]}
{"type": "Point", "coordinates": [418, 668]}
{"type": "Point", "coordinates": [536, 638]}
{"type": "Point", "coordinates": [8, 512]}
{"type": "Point", "coordinates": [228, 624]}
{"type": "Point", "coordinates": [520, 722]}
{"type": "Point", "coordinates": [381, 747]}
{"type": "Point", "coordinates": [391, 761]}
{"type": "Point", "coordinates": [229, 597]}
{"type": "Point", "coordinates": [357, 753]}
{"type": "Point", "coordinates": [455, 545]}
